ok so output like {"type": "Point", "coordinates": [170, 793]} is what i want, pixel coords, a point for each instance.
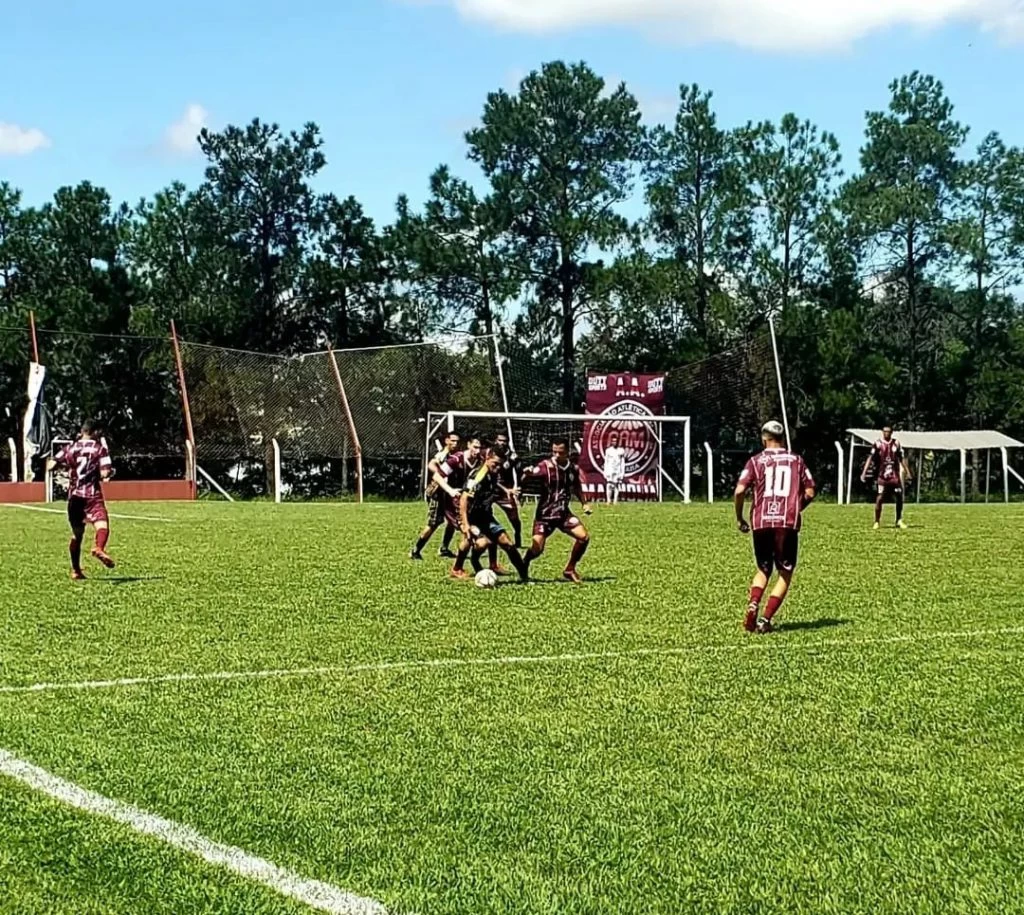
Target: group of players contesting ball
{"type": "Point", "coordinates": [465, 485]}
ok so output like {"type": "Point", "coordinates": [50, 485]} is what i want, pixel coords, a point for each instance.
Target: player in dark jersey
{"type": "Point", "coordinates": [508, 475]}
{"type": "Point", "coordinates": [476, 513]}
{"type": "Point", "coordinates": [888, 458]}
{"type": "Point", "coordinates": [452, 476]}
{"type": "Point", "coordinates": [436, 503]}
{"type": "Point", "coordinates": [560, 481]}
{"type": "Point", "coordinates": [88, 463]}
{"type": "Point", "coordinates": [782, 488]}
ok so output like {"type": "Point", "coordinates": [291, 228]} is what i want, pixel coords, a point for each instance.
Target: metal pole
{"type": "Point", "coordinates": [686, 462]}
{"type": "Point", "coordinates": [1006, 475]}
{"type": "Point", "coordinates": [189, 431]}
{"type": "Point", "coordinates": [920, 473]}
{"type": "Point", "coordinates": [711, 473]}
{"type": "Point", "coordinates": [988, 471]}
{"type": "Point", "coordinates": [840, 474]}
{"type": "Point", "coordinates": [849, 472]}
{"type": "Point", "coordinates": [963, 476]}
{"type": "Point", "coordinates": [778, 376]}
{"type": "Point", "coordinates": [277, 470]}
{"type": "Point", "coordinates": [351, 425]}
{"type": "Point", "coordinates": [35, 341]}
{"type": "Point", "coordinates": [499, 362]}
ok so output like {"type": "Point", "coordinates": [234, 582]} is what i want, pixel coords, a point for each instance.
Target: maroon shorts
{"type": "Point", "coordinates": [889, 487]}
{"type": "Point", "coordinates": [775, 547]}
{"type": "Point", "coordinates": [82, 511]}
{"type": "Point", "coordinates": [545, 527]}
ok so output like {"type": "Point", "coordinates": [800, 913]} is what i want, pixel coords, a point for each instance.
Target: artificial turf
{"type": "Point", "coordinates": [866, 757]}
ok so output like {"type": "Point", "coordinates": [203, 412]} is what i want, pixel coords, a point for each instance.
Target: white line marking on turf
{"type": "Point", "coordinates": [317, 895]}
{"type": "Point", "coordinates": [490, 662]}
{"type": "Point", "coordinates": [60, 511]}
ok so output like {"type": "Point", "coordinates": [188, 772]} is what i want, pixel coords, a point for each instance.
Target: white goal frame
{"type": "Point", "coordinates": [449, 418]}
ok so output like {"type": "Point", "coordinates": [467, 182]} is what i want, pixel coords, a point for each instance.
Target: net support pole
{"type": "Point", "coordinates": [13, 446]}
{"type": "Point", "coordinates": [35, 339]}
{"type": "Point", "coordinates": [988, 472]}
{"type": "Point", "coordinates": [849, 471]}
{"type": "Point", "coordinates": [277, 471]}
{"type": "Point", "coordinates": [186, 408]}
{"type": "Point", "coordinates": [711, 472]}
{"type": "Point", "coordinates": [214, 483]}
{"type": "Point", "coordinates": [351, 425]}
{"type": "Point", "coordinates": [778, 377]}
{"type": "Point", "coordinates": [920, 473]}
{"type": "Point", "coordinates": [840, 473]}
{"type": "Point", "coordinates": [963, 476]}
{"type": "Point", "coordinates": [498, 362]}
{"type": "Point", "coordinates": [1006, 474]}
{"type": "Point", "coordinates": [686, 462]}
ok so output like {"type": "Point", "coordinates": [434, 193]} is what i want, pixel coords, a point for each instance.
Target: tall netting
{"type": "Point", "coordinates": [129, 385]}
{"type": "Point", "coordinates": [728, 397]}
{"type": "Point", "coordinates": [241, 402]}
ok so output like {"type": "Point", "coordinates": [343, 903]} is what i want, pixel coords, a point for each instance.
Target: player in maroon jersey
{"type": "Point", "coordinates": [888, 456]}
{"type": "Point", "coordinates": [88, 464]}
{"type": "Point", "coordinates": [560, 482]}
{"type": "Point", "coordinates": [452, 477]}
{"type": "Point", "coordinates": [508, 476]}
{"type": "Point", "coordinates": [436, 503]}
{"type": "Point", "coordinates": [782, 488]}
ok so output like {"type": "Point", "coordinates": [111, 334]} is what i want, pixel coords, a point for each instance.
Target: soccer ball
{"type": "Point", "coordinates": [485, 578]}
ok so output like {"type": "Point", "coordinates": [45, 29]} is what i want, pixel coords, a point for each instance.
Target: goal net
{"type": "Point", "coordinates": [656, 448]}
{"type": "Point", "coordinates": [330, 424]}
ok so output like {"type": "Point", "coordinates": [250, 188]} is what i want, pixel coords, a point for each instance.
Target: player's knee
{"type": "Point", "coordinates": [584, 537]}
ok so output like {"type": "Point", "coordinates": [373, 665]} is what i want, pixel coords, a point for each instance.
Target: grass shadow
{"type": "Point", "coordinates": [128, 579]}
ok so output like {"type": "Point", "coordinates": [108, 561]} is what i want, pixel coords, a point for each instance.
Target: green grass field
{"type": "Point", "coordinates": [868, 757]}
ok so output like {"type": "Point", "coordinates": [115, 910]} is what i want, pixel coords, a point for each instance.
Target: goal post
{"type": "Point", "coordinates": [650, 442]}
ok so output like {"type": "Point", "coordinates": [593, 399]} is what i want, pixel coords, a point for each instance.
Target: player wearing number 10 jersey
{"type": "Point", "coordinates": [88, 463]}
{"type": "Point", "coordinates": [782, 488]}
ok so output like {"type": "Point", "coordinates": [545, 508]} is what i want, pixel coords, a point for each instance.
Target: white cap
{"type": "Point", "coordinates": [774, 428]}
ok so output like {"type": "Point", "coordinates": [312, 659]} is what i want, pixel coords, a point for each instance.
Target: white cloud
{"type": "Point", "coordinates": [180, 137]}
{"type": "Point", "coordinates": [20, 141]}
{"type": "Point", "coordinates": [760, 24]}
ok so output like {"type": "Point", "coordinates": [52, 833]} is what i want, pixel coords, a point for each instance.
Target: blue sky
{"type": "Point", "coordinates": [91, 90]}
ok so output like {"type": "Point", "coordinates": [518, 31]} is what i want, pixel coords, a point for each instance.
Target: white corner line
{"type": "Point", "coordinates": [323, 897]}
{"type": "Point", "coordinates": [751, 645]}
{"type": "Point", "coordinates": [60, 511]}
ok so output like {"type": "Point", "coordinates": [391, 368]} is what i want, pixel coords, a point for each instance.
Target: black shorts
{"type": "Point", "coordinates": [435, 510]}
{"type": "Point", "coordinates": [775, 547]}
{"type": "Point", "coordinates": [485, 526]}
{"type": "Point", "coordinates": [889, 488]}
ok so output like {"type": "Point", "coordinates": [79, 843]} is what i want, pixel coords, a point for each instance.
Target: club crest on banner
{"type": "Point", "coordinates": [618, 403]}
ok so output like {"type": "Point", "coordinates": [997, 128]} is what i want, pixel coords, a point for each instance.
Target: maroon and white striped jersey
{"type": "Point", "coordinates": [85, 459]}
{"type": "Point", "coordinates": [778, 479]}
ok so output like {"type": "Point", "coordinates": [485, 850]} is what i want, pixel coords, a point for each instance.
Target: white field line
{"type": "Point", "coordinates": [320, 896]}
{"type": "Point", "coordinates": [342, 670]}
{"type": "Point", "coordinates": [60, 511]}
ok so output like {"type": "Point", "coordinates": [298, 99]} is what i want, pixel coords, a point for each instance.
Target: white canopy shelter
{"type": "Point", "coordinates": [963, 441]}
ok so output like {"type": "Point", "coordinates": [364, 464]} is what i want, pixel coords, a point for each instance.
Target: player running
{"type": "Point", "coordinates": [476, 513]}
{"type": "Point", "coordinates": [508, 476]}
{"type": "Point", "coordinates": [560, 481]}
{"type": "Point", "coordinates": [88, 464]}
{"type": "Point", "coordinates": [435, 503]}
{"type": "Point", "coordinates": [891, 462]}
{"type": "Point", "coordinates": [783, 487]}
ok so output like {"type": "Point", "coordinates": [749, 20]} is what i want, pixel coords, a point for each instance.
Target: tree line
{"type": "Point", "coordinates": [893, 280]}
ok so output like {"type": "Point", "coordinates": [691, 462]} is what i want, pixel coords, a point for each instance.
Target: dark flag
{"type": "Point", "coordinates": [36, 437]}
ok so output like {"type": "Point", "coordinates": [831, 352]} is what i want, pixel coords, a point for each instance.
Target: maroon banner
{"type": "Point", "coordinates": [619, 400]}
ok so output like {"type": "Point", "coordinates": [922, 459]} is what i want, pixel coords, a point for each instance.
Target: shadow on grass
{"type": "Point", "coordinates": [812, 624]}
{"type": "Point", "coordinates": [128, 579]}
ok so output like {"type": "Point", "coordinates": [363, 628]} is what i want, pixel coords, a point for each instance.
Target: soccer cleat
{"type": "Point", "coordinates": [573, 576]}
{"type": "Point", "coordinates": [764, 627]}
{"type": "Point", "coordinates": [415, 554]}
{"type": "Point", "coordinates": [750, 619]}
{"type": "Point", "coordinates": [445, 553]}
{"type": "Point", "coordinates": [901, 525]}
{"type": "Point", "coordinates": [460, 574]}
{"type": "Point", "coordinates": [876, 526]}
{"type": "Point", "coordinates": [77, 575]}
{"type": "Point", "coordinates": [102, 557]}
{"type": "Point", "coordinates": [499, 570]}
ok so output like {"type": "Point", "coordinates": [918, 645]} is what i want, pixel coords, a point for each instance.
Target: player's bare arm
{"type": "Point", "coordinates": [445, 485]}
{"type": "Point", "coordinates": [464, 513]}
{"type": "Point", "coordinates": [739, 498]}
